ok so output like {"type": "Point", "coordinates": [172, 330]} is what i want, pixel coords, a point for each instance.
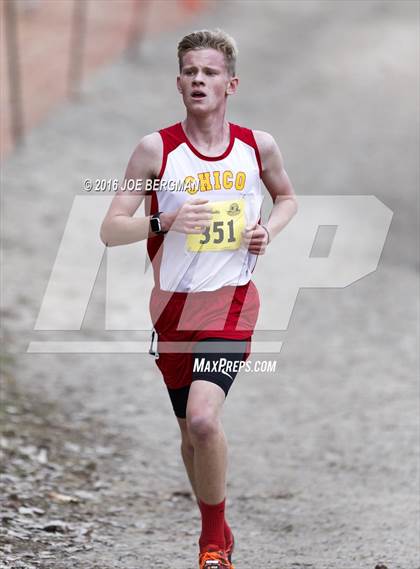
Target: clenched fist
{"type": "Point", "coordinates": [255, 239]}
{"type": "Point", "coordinates": [192, 217]}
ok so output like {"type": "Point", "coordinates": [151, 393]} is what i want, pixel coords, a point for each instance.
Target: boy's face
{"type": "Point", "coordinates": [204, 80]}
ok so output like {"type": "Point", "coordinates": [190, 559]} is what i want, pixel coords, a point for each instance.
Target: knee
{"type": "Point", "coordinates": [202, 427]}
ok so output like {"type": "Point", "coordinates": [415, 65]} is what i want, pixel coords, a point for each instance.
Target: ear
{"type": "Point", "coordinates": [232, 86]}
{"type": "Point", "coordinates": [178, 84]}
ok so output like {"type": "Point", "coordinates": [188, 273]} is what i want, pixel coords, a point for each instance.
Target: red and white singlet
{"type": "Point", "coordinates": [232, 184]}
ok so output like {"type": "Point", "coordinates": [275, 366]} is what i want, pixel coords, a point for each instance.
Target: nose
{"type": "Point", "coordinates": [198, 79]}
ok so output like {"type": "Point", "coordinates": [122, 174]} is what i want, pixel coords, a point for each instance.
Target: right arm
{"type": "Point", "coordinates": [119, 227]}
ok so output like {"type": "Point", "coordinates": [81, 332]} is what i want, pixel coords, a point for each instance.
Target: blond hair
{"type": "Point", "coordinates": [210, 39]}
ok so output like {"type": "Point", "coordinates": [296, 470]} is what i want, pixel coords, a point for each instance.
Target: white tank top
{"type": "Point", "coordinates": [232, 184]}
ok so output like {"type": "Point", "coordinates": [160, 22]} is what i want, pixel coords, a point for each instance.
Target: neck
{"type": "Point", "coordinates": [209, 131]}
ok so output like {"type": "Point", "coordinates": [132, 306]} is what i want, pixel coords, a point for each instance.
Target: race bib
{"type": "Point", "coordinates": [225, 231]}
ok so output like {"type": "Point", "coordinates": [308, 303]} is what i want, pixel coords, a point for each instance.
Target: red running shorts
{"type": "Point", "coordinates": [181, 319]}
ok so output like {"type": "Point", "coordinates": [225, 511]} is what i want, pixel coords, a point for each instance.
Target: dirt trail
{"type": "Point", "coordinates": [323, 470]}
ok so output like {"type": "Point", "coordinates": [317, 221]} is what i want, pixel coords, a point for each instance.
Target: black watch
{"type": "Point", "coordinates": [155, 224]}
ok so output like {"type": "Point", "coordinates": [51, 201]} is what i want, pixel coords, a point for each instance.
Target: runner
{"type": "Point", "coordinates": [204, 235]}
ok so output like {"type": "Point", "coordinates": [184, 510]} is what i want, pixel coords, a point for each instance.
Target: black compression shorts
{"type": "Point", "coordinates": [214, 360]}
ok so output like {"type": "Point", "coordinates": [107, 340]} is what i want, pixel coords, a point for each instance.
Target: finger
{"type": "Point", "coordinates": [258, 232]}
{"type": "Point", "coordinates": [194, 231]}
{"type": "Point", "coordinates": [198, 209]}
{"type": "Point", "coordinates": [251, 231]}
{"type": "Point", "coordinates": [202, 216]}
{"type": "Point", "coordinates": [260, 247]}
{"type": "Point", "coordinates": [256, 242]}
{"type": "Point", "coordinates": [256, 246]}
{"type": "Point", "coordinates": [198, 219]}
{"type": "Point", "coordinates": [251, 227]}
{"type": "Point", "coordinates": [194, 228]}
{"type": "Point", "coordinates": [201, 224]}
{"type": "Point", "coordinates": [198, 201]}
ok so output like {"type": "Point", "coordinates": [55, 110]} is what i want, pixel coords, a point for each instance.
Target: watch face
{"type": "Point", "coordinates": [155, 224]}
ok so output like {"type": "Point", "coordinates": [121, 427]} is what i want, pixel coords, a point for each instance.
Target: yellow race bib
{"type": "Point", "coordinates": [225, 231]}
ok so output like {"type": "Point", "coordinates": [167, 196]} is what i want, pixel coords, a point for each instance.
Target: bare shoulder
{"type": "Point", "coordinates": [267, 146]}
{"type": "Point", "coordinates": [147, 156]}
{"type": "Point", "coordinates": [151, 143]}
{"type": "Point", "coordinates": [264, 140]}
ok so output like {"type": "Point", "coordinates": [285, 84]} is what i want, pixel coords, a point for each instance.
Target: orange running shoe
{"type": "Point", "coordinates": [214, 558]}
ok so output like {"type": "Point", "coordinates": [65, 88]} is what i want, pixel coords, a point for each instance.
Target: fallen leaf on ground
{"type": "Point", "coordinates": [63, 498]}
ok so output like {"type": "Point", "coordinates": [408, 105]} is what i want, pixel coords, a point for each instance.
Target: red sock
{"type": "Point", "coordinates": [228, 533]}
{"type": "Point", "coordinates": [213, 524]}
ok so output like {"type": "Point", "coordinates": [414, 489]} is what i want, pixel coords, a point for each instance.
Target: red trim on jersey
{"type": "Point", "coordinates": [155, 243]}
{"type": "Point", "coordinates": [172, 137]}
{"type": "Point", "coordinates": [247, 136]}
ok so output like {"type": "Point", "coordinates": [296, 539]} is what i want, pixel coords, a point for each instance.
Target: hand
{"type": "Point", "coordinates": [255, 239]}
{"type": "Point", "coordinates": [192, 217]}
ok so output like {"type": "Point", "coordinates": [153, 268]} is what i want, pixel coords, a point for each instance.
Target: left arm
{"type": "Point", "coordinates": [278, 184]}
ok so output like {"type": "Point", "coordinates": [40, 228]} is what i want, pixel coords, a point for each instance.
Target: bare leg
{"type": "Point", "coordinates": [208, 440]}
{"type": "Point", "coordinates": [187, 452]}
{"type": "Point", "coordinates": [197, 405]}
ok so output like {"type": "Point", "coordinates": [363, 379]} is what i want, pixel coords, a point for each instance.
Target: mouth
{"type": "Point", "coordinates": [198, 94]}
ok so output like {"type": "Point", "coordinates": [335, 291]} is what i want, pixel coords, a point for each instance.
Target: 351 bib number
{"type": "Point", "coordinates": [224, 234]}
